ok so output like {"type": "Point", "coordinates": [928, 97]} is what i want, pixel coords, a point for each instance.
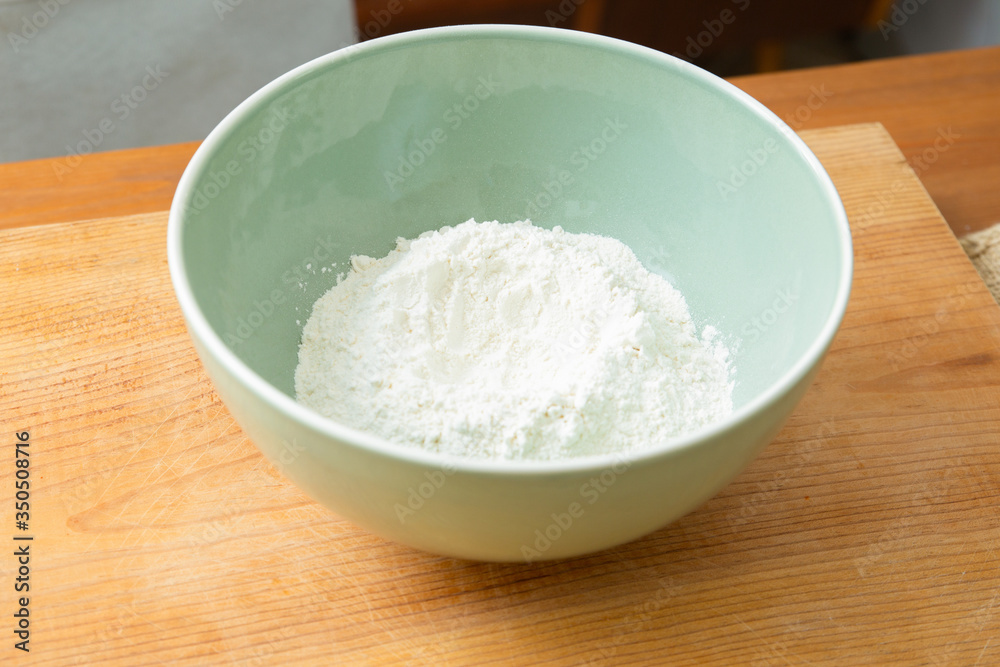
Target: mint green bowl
{"type": "Point", "coordinates": [411, 132]}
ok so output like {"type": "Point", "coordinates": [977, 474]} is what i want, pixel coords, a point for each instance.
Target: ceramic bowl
{"type": "Point", "coordinates": [411, 132]}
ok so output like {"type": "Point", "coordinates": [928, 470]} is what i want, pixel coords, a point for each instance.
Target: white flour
{"type": "Point", "coordinates": [510, 341]}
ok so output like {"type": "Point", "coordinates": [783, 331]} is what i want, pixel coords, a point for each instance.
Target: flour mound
{"type": "Point", "coordinates": [510, 341]}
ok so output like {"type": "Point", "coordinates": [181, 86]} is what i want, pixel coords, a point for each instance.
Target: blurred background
{"type": "Point", "coordinates": [80, 76]}
{"type": "Point", "coordinates": [729, 37]}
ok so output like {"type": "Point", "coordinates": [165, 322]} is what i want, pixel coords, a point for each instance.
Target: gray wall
{"type": "Point", "coordinates": [80, 75]}
{"type": "Point", "coordinates": [943, 25]}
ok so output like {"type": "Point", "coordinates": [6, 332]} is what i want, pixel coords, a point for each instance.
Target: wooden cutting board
{"type": "Point", "coordinates": [867, 533]}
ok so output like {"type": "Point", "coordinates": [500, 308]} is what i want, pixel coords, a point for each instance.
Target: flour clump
{"type": "Point", "coordinates": [511, 341]}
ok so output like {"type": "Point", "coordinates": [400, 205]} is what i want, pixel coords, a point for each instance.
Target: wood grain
{"type": "Point", "coordinates": [866, 534]}
{"type": "Point", "coordinates": [914, 97]}
{"type": "Point", "coordinates": [917, 99]}
{"type": "Point", "coordinates": [100, 185]}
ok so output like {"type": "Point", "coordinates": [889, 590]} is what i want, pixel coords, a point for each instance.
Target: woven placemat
{"type": "Point", "coordinates": [983, 248]}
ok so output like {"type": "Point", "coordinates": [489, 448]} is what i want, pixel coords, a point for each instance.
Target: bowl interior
{"type": "Point", "coordinates": [411, 133]}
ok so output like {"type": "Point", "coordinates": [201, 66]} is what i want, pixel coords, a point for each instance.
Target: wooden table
{"type": "Point", "coordinates": [914, 98]}
{"type": "Point", "coordinates": [866, 533]}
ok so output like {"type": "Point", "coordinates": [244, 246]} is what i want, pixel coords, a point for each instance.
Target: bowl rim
{"type": "Point", "coordinates": [212, 342]}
